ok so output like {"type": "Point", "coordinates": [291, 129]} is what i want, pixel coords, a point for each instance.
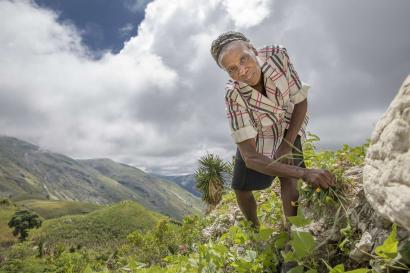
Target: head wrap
{"type": "Point", "coordinates": [223, 40]}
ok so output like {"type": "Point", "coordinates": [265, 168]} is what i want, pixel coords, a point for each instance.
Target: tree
{"type": "Point", "coordinates": [210, 178]}
{"type": "Point", "coordinates": [22, 221]}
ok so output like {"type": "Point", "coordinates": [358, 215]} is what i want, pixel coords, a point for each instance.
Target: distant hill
{"type": "Point", "coordinates": [188, 182]}
{"type": "Point", "coordinates": [185, 181]}
{"type": "Point", "coordinates": [49, 209]}
{"type": "Point", "coordinates": [29, 172]}
{"type": "Point", "coordinates": [101, 229]}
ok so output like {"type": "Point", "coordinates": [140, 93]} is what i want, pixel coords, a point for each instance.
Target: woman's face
{"type": "Point", "coordinates": [238, 59]}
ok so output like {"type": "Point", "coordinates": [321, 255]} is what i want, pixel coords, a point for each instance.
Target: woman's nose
{"type": "Point", "coordinates": [242, 70]}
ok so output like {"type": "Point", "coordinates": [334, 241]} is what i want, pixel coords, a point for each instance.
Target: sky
{"type": "Point", "coordinates": [134, 80]}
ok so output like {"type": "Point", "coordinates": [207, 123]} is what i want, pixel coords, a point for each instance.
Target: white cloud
{"type": "Point", "coordinates": [247, 13]}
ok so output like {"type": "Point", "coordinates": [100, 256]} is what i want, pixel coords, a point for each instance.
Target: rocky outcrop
{"type": "Point", "coordinates": [386, 174]}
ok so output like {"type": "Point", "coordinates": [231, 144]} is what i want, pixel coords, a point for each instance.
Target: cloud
{"type": "Point", "coordinates": [158, 103]}
{"type": "Point", "coordinates": [136, 5]}
{"type": "Point", "coordinates": [126, 30]}
{"type": "Point", "coordinates": [246, 13]}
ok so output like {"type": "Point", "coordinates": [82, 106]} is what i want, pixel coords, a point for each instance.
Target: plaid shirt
{"type": "Point", "coordinates": [253, 115]}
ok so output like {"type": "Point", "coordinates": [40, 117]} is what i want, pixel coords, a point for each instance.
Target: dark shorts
{"type": "Point", "coordinates": [248, 179]}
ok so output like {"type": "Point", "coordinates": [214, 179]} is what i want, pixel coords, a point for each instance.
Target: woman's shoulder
{"type": "Point", "coordinates": [271, 49]}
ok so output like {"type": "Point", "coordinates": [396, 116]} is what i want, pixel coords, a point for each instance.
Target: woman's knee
{"type": "Point", "coordinates": [241, 194]}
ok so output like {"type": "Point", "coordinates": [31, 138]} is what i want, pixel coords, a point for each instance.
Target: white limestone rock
{"type": "Point", "coordinates": [361, 248]}
{"type": "Point", "coordinates": [386, 174]}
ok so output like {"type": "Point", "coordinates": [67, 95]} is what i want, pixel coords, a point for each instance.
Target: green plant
{"type": "Point", "coordinates": [341, 269]}
{"type": "Point", "coordinates": [22, 221]}
{"type": "Point", "coordinates": [385, 258]}
{"type": "Point", "coordinates": [209, 178]}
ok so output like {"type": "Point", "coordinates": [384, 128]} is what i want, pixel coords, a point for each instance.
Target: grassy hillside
{"type": "Point", "coordinates": [45, 208]}
{"type": "Point", "coordinates": [29, 172]}
{"type": "Point", "coordinates": [150, 191]}
{"type": "Point", "coordinates": [101, 229]}
{"type": "Point", "coordinates": [325, 233]}
{"type": "Point", "coordinates": [56, 208]}
{"type": "Point", "coordinates": [185, 181]}
{"type": "Point", "coordinates": [7, 211]}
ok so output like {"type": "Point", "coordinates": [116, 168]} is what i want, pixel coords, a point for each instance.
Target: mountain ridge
{"type": "Point", "coordinates": [28, 171]}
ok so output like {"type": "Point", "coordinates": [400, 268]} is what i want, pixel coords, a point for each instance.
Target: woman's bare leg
{"type": "Point", "coordinates": [289, 193]}
{"type": "Point", "coordinates": [247, 204]}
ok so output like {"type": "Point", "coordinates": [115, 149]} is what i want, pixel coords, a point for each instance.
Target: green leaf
{"type": "Point", "coordinates": [311, 271]}
{"type": "Point", "coordinates": [303, 243]}
{"type": "Point", "coordinates": [281, 240]}
{"type": "Point", "coordinates": [289, 256]}
{"type": "Point", "coordinates": [340, 268]}
{"type": "Point", "coordinates": [297, 269]}
{"type": "Point", "coordinates": [359, 270]}
{"type": "Point", "coordinates": [300, 220]}
{"type": "Point", "coordinates": [263, 234]}
{"type": "Point", "coordinates": [388, 249]}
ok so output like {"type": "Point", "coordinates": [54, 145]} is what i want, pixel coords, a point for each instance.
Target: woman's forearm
{"type": "Point", "coordinates": [268, 166]}
{"type": "Point", "coordinates": [296, 121]}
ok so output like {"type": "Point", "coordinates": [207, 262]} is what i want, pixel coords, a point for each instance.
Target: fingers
{"type": "Point", "coordinates": [331, 178]}
{"type": "Point", "coordinates": [324, 179]}
{"type": "Point", "coordinates": [323, 182]}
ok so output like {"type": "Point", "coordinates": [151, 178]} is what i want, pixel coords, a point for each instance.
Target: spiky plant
{"type": "Point", "coordinates": [209, 178]}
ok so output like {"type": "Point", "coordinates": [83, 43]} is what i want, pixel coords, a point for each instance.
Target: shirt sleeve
{"type": "Point", "coordinates": [240, 123]}
{"type": "Point", "coordinates": [298, 89]}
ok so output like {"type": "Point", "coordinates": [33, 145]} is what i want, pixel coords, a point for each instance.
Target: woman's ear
{"type": "Point", "coordinates": [251, 47]}
{"type": "Point", "coordinates": [255, 51]}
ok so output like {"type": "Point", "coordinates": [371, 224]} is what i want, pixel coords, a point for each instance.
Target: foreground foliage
{"type": "Point", "coordinates": [224, 242]}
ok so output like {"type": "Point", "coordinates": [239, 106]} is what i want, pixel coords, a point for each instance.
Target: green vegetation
{"type": "Point", "coordinates": [209, 178]}
{"type": "Point", "coordinates": [49, 209]}
{"type": "Point", "coordinates": [7, 210]}
{"type": "Point", "coordinates": [102, 230]}
{"type": "Point", "coordinates": [127, 238]}
{"type": "Point", "coordinates": [22, 221]}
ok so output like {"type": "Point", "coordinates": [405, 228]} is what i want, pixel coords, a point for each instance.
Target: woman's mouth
{"type": "Point", "coordinates": [250, 77]}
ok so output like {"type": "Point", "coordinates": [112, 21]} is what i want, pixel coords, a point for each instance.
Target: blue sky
{"type": "Point", "coordinates": [135, 82]}
{"type": "Point", "coordinates": [105, 24]}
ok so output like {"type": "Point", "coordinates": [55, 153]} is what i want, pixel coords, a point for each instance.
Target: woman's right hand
{"type": "Point", "coordinates": [319, 178]}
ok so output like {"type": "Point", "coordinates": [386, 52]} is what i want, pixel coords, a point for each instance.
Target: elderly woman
{"type": "Point", "coordinates": [266, 107]}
